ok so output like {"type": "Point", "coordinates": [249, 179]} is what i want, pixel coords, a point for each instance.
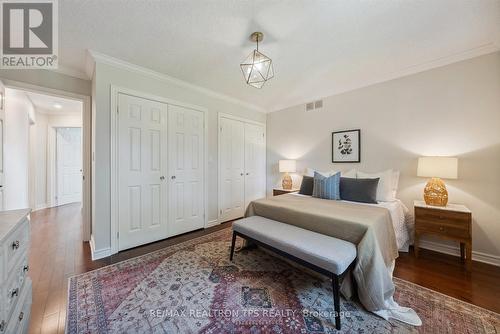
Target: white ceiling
{"type": "Point", "coordinates": [318, 47]}
{"type": "Point", "coordinates": [45, 104]}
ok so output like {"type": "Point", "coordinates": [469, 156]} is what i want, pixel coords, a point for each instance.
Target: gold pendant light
{"type": "Point", "coordinates": [257, 68]}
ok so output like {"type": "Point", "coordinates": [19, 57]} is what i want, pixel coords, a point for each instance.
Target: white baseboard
{"type": "Point", "coordinates": [40, 207]}
{"type": "Point", "coordinates": [100, 253]}
{"type": "Point", "coordinates": [455, 250]}
{"type": "Point", "coordinates": [211, 223]}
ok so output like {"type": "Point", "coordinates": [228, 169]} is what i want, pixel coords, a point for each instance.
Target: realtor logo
{"type": "Point", "coordinates": [29, 34]}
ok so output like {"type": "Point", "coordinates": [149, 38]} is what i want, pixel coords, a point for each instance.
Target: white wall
{"type": "Point", "coordinates": [16, 148]}
{"type": "Point", "coordinates": [107, 75]}
{"type": "Point", "coordinates": [38, 162]}
{"type": "Point", "coordinates": [47, 79]}
{"type": "Point", "coordinates": [452, 110]}
{"type": "Point", "coordinates": [40, 155]}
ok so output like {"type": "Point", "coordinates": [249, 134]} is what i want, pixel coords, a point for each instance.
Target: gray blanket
{"type": "Point", "coordinates": [368, 227]}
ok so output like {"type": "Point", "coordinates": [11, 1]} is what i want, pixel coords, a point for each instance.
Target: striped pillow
{"type": "Point", "coordinates": [326, 187]}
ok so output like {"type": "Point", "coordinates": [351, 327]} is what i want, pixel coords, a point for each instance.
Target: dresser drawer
{"type": "Point", "coordinates": [16, 245]}
{"type": "Point", "coordinates": [19, 322]}
{"type": "Point", "coordinates": [12, 287]}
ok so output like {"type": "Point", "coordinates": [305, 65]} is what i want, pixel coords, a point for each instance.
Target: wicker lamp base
{"type": "Point", "coordinates": [435, 192]}
{"type": "Point", "coordinates": [287, 182]}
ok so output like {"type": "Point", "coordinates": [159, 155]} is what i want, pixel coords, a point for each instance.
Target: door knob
{"type": "Point", "coordinates": [248, 173]}
{"type": "Point", "coordinates": [173, 177]}
{"type": "Point", "coordinates": [162, 178]}
{"type": "Point", "coordinates": [241, 174]}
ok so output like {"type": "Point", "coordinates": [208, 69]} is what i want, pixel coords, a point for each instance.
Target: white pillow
{"type": "Point", "coordinates": [385, 192]}
{"type": "Point", "coordinates": [395, 183]}
{"type": "Point", "coordinates": [350, 174]}
{"type": "Point", "coordinates": [310, 172]}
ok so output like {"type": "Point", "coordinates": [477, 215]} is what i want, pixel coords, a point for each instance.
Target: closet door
{"type": "Point", "coordinates": [141, 165]}
{"type": "Point", "coordinates": [255, 163]}
{"type": "Point", "coordinates": [186, 169]}
{"type": "Point", "coordinates": [232, 169]}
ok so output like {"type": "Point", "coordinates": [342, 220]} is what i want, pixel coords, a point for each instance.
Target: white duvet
{"type": "Point", "coordinates": [401, 220]}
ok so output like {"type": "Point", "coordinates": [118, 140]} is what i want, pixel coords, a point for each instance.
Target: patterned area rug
{"type": "Point", "coordinates": [193, 288]}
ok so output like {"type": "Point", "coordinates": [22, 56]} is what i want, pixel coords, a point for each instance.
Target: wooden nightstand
{"type": "Point", "coordinates": [452, 222]}
{"type": "Point", "coordinates": [281, 191]}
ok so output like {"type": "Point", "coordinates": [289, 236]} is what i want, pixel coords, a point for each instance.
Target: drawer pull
{"type": "Point", "coordinates": [14, 292]}
{"type": "Point", "coordinates": [441, 228]}
{"type": "Point", "coordinates": [2, 326]}
{"type": "Point", "coordinates": [21, 316]}
{"type": "Point", "coordinates": [15, 244]}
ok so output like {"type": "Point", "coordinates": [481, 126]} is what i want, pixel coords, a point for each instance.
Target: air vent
{"type": "Point", "coordinates": [314, 105]}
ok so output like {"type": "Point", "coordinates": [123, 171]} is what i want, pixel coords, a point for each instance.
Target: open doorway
{"type": "Point", "coordinates": [46, 144]}
{"type": "Point", "coordinates": [56, 162]}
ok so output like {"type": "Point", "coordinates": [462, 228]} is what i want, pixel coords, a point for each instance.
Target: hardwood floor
{"type": "Point", "coordinates": [57, 253]}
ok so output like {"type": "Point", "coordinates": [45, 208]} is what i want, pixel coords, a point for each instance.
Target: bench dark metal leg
{"type": "Point", "coordinates": [336, 300]}
{"type": "Point", "coordinates": [233, 242]}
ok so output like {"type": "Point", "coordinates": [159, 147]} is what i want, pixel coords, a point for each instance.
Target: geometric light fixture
{"type": "Point", "coordinates": [257, 68]}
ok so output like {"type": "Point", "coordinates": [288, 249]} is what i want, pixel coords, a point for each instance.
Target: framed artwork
{"type": "Point", "coordinates": [346, 146]}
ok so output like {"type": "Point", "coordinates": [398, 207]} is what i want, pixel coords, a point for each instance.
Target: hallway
{"type": "Point", "coordinates": [56, 253]}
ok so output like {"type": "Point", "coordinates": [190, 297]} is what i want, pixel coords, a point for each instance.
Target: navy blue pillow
{"type": "Point", "coordinates": [359, 190]}
{"type": "Point", "coordinates": [326, 187]}
{"type": "Point", "coordinates": [307, 185]}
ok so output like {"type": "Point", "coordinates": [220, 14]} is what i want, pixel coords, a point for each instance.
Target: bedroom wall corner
{"type": "Point", "coordinates": [452, 110]}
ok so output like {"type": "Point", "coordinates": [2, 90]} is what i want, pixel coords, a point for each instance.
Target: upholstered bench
{"type": "Point", "coordinates": [322, 253]}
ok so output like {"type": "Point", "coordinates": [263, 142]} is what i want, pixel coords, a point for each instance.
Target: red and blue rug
{"type": "Point", "coordinates": [193, 288]}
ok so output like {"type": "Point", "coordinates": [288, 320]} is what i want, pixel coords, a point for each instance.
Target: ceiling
{"type": "Point", "coordinates": [45, 104]}
{"type": "Point", "coordinates": [319, 48]}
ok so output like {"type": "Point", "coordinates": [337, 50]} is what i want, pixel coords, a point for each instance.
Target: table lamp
{"type": "Point", "coordinates": [287, 166]}
{"type": "Point", "coordinates": [435, 192]}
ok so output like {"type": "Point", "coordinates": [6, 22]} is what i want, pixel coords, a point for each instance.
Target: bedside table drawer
{"type": "Point", "coordinates": [460, 218]}
{"type": "Point", "coordinates": [446, 229]}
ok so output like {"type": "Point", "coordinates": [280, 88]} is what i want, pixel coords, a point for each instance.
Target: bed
{"type": "Point", "coordinates": [402, 221]}
{"type": "Point", "coordinates": [377, 230]}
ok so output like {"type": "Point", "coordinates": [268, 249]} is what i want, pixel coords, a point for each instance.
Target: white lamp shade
{"type": "Point", "coordinates": [288, 166]}
{"type": "Point", "coordinates": [442, 167]}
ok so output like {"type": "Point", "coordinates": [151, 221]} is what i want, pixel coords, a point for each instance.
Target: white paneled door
{"type": "Point", "coordinates": [242, 166]}
{"type": "Point", "coordinates": [142, 153]}
{"type": "Point", "coordinates": [186, 169]}
{"type": "Point", "coordinates": [255, 163]}
{"type": "Point", "coordinates": [232, 169]}
{"type": "Point", "coordinates": [68, 165]}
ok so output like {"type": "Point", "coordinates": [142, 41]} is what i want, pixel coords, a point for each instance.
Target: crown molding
{"type": "Point", "coordinates": [474, 52]}
{"type": "Point", "coordinates": [105, 59]}
{"type": "Point", "coordinates": [71, 72]}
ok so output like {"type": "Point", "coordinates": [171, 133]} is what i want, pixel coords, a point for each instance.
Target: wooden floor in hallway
{"type": "Point", "coordinates": [57, 253]}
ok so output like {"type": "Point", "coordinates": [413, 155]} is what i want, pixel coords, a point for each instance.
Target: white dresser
{"type": "Point", "coordinates": [15, 285]}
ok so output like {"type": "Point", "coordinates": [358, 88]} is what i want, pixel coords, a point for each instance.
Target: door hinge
{"type": "Point", "coordinates": [221, 211]}
{"type": "Point", "coordinates": [117, 235]}
{"type": "Point", "coordinates": [221, 129]}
